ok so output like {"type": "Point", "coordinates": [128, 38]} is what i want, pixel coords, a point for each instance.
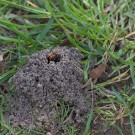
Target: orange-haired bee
{"type": "Point", "coordinates": [54, 57]}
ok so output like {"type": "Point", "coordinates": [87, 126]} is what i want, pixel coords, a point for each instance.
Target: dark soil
{"type": "Point", "coordinates": [120, 128]}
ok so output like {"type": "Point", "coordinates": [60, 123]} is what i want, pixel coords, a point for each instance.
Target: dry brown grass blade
{"type": "Point", "coordinates": [127, 36]}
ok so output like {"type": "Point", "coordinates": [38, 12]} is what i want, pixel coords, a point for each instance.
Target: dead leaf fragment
{"type": "Point", "coordinates": [65, 42]}
{"type": "Point", "coordinates": [97, 72]}
{"type": "Point", "coordinates": [109, 8]}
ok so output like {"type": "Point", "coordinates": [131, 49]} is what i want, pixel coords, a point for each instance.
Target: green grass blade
{"type": "Point", "coordinates": [132, 124]}
{"type": "Point", "coordinates": [119, 97]}
{"type": "Point", "coordinates": [42, 35]}
{"type": "Point", "coordinates": [7, 75]}
{"type": "Point", "coordinates": [87, 129]}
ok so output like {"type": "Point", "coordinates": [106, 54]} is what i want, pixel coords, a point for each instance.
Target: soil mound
{"type": "Point", "coordinates": [40, 86]}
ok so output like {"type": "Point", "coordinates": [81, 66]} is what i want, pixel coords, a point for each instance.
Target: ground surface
{"type": "Point", "coordinates": [103, 31]}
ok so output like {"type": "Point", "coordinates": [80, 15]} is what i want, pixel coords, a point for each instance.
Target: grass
{"type": "Point", "coordinates": [96, 28]}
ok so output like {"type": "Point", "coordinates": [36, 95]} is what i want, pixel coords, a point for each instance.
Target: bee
{"type": "Point", "coordinates": [56, 57]}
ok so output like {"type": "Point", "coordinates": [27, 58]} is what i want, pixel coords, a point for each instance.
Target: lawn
{"type": "Point", "coordinates": [102, 30]}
